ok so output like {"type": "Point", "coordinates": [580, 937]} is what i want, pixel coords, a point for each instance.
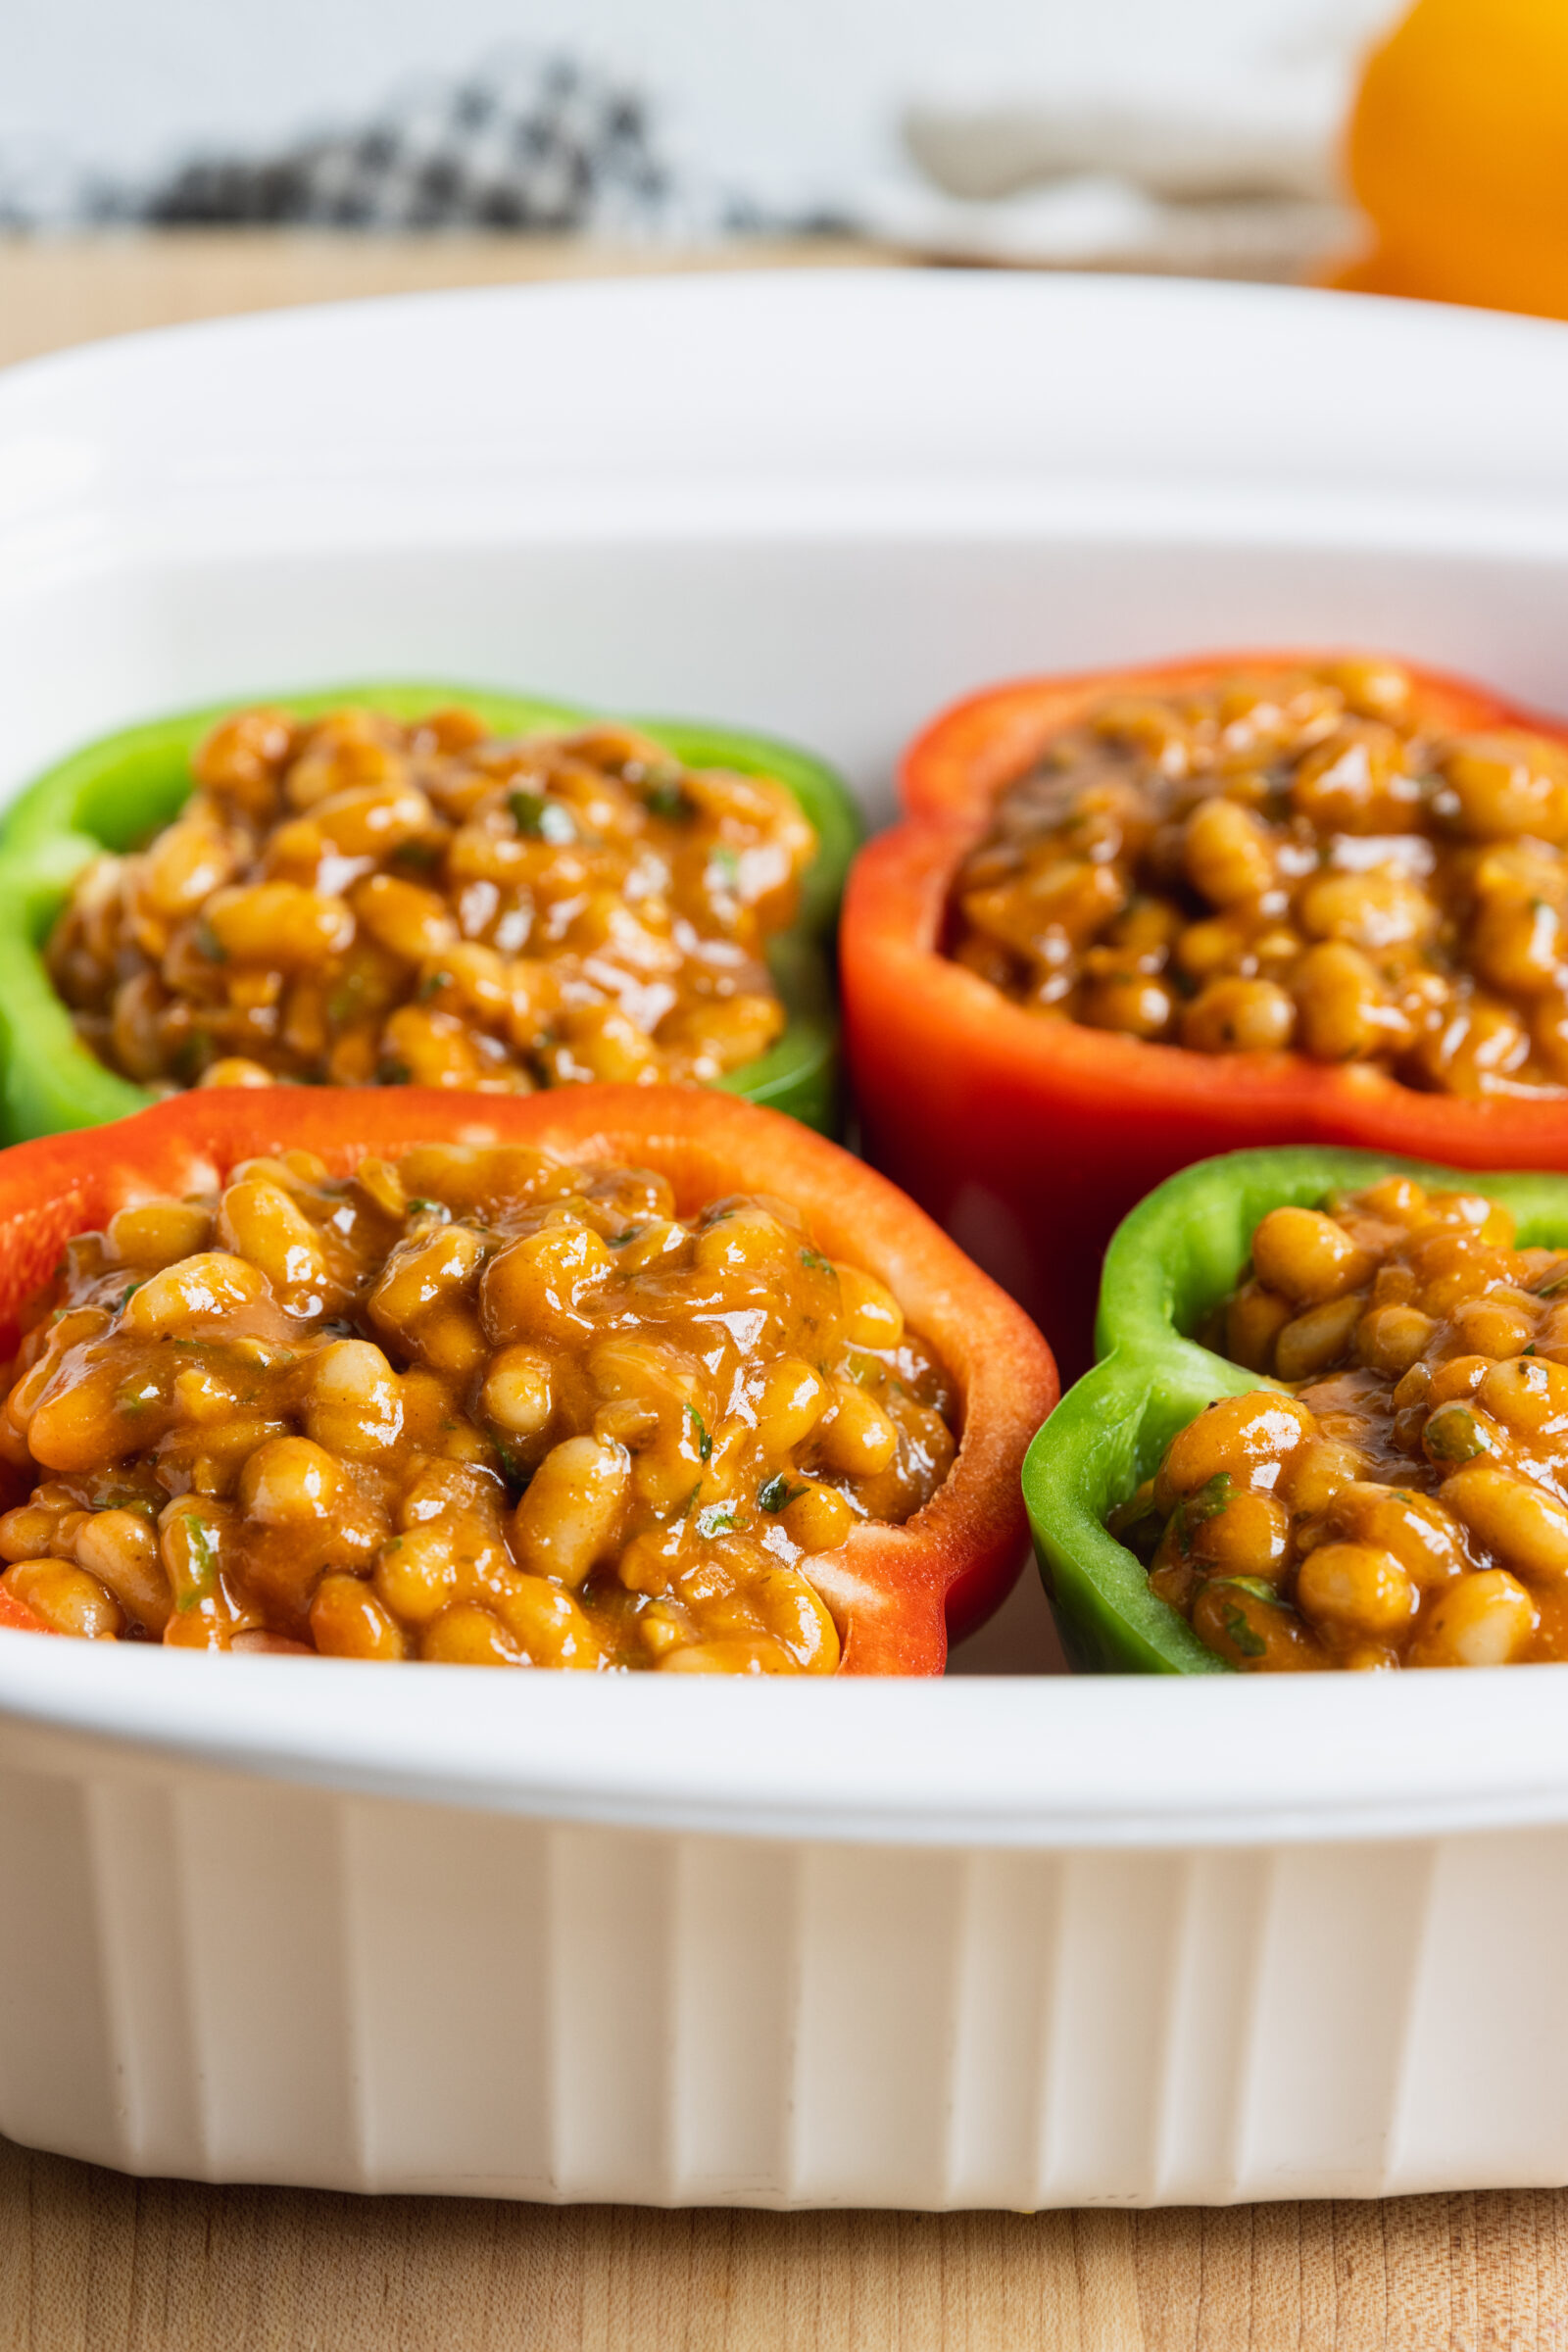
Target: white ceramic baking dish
{"type": "Point", "coordinates": [1010, 1942]}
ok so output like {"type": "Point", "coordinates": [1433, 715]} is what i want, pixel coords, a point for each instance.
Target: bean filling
{"type": "Point", "coordinates": [1402, 1501]}
{"type": "Point", "coordinates": [480, 1407]}
{"type": "Point", "coordinates": [1289, 862]}
{"type": "Point", "coordinates": [354, 902]}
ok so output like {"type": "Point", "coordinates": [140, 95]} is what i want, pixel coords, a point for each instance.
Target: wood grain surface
{"type": "Point", "coordinates": [56, 291]}
{"type": "Point", "coordinates": [91, 2262]}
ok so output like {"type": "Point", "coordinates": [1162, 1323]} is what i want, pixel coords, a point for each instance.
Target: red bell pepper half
{"type": "Point", "coordinates": [897, 1593]}
{"type": "Point", "coordinates": [1029, 1140]}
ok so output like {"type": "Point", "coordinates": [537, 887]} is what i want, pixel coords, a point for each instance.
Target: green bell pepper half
{"type": "Point", "coordinates": [118, 792]}
{"type": "Point", "coordinates": [1170, 1263]}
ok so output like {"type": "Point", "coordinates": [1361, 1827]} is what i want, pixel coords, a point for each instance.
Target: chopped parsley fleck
{"type": "Point", "coordinates": [1241, 1635]}
{"type": "Point", "coordinates": [718, 1519]}
{"type": "Point", "coordinates": [543, 819]}
{"type": "Point", "coordinates": [669, 799]}
{"type": "Point", "coordinates": [704, 1443]}
{"type": "Point", "coordinates": [203, 1553]}
{"type": "Point", "coordinates": [346, 1001]}
{"type": "Point", "coordinates": [777, 1493]}
{"type": "Point", "coordinates": [1245, 1635]}
{"type": "Point", "coordinates": [1454, 1435]}
{"type": "Point", "coordinates": [1206, 1502]}
{"type": "Point", "coordinates": [817, 1261]}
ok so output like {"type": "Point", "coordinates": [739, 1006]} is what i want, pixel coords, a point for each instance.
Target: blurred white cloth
{"type": "Point", "coordinates": [1269, 137]}
{"type": "Point", "coordinates": [1234, 173]}
{"type": "Point", "coordinates": [1096, 222]}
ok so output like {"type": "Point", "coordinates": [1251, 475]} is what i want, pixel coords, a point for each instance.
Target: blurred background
{"type": "Point", "coordinates": [1414, 150]}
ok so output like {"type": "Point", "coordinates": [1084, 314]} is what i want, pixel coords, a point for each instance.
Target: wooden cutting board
{"type": "Point", "coordinates": [90, 2261]}
{"type": "Point", "coordinates": [60, 290]}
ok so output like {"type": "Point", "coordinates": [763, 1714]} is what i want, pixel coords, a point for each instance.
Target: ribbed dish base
{"type": "Point", "coordinates": [227, 1978]}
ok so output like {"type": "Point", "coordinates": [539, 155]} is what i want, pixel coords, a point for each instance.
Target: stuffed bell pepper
{"type": "Point", "coordinates": [1132, 919]}
{"type": "Point", "coordinates": [602, 1378]}
{"type": "Point", "coordinates": [417, 885]}
{"type": "Point", "coordinates": [1329, 1429]}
